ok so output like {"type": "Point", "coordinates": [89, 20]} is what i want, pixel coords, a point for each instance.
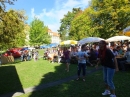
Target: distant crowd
{"type": "Point", "coordinates": [27, 55]}
{"type": "Point", "coordinates": [70, 53]}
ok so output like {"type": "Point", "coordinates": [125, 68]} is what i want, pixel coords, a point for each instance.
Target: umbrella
{"type": "Point", "coordinates": [118, 38]}
{"type": "Point", "coordinates": [42, 46]}
{"type": "Point", "coordinates": [126, 31]}
{"type": "Point", "coordinates": [90, 40]}
{"type": "Point", "coordinates": [53, 45]}
{"type": "Point", "coordinates": [68, 42]}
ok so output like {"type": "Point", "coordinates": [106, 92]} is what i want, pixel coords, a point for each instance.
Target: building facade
{"type": "Point", "coordinates": [55, 37]}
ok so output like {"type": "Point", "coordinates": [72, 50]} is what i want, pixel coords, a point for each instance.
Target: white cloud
{"type": "Point", "coordinates": [70, 3]}
{"type": "Point", "coordinates": [32, 12]}
{"type": "Point", "coordinates": [52, 18]}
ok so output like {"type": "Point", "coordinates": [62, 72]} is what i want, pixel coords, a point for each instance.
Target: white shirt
{"type": "Point", "coordinates": [73, 54]}
{"type": "Point", "coordinates": [81, 58]}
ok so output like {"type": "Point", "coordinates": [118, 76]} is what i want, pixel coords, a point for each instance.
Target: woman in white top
{"type": "Point", "coordinates": [81, 56]}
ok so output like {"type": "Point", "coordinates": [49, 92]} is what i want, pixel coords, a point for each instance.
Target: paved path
{"type": "Point", "coordinates": [44, 86]}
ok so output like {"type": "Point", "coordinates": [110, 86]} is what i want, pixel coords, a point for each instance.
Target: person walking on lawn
{"type": "Point", "coordinates": [108, 61]}
{"type": "Point", "coordinates": [81, 57]}
{"type": "Point", "coordinates": [66, 55]}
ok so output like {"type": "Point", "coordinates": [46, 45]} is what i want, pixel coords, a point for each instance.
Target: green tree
{"type": "Point", "coordinates": [21, 37]}
{"type": "Point", "coordinates": [110, 17]}
{"type": "Point", "coordinates": [26, 30]}
{"type": "Point", "coordinates": [12, 26]}
{"type": "Point", "coordinates": [103, 18]}
{"type": "Point", "coordinates": [12, 29]}
{"type": "Point", "coordinates": [2, 3]}
{"type": "Point", "coordinates": [39, 33]}
{"type": "Point", "coordinates": [3, 7]}
{"type": "Point", "coordinates": [81, 25]}
{"type": "Point", "coordinates": [66, 22]}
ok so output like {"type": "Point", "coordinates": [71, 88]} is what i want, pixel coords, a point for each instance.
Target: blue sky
{"type": "Point", "coordinates": [49, 11]}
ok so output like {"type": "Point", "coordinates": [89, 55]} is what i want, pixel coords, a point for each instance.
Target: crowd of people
{"type": "Point", "coordinates": [63, 54]}
{"type": "Point", "coordinates": [112, 57]}
{"type": "Point", "coordinates": [27, 55]}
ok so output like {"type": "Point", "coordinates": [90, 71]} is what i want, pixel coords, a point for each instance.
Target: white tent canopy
{"type": "Point", "coordinates": [117, 38]}
{"type": "Point", "coordinates": [90, 40]}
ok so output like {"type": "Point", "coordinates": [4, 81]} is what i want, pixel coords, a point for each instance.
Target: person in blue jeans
{"type": "Point", "coordinates": [109, 63]}
{"type": "Point", "coordinates": [81, 56]}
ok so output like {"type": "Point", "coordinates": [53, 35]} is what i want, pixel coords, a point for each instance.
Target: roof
{"type": "Point", "coordinates": [53, 33]}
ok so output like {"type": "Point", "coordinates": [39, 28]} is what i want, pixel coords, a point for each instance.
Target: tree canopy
{"type": "Point", "coordinates": [110, 16]}
{"type": "Point", "coordinates": [39, 33]}
{"type": "Point", "coordinates": [103, 18]}
{"type": "Point", "coordinates": [12, 26]}
{"type": "Point", "coordinates": [12, 29]}
{"type": "Point", "coordinates": [66, 23]}
{"type": "Point", "coordinates": [81, 25]}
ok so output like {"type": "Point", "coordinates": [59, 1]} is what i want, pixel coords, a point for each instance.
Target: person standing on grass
{"type": "Point", "coordinates": [81, 56]}
{"type": "Point", "coordinates": [36, 53]}
{"type": "Point", "coordinates": [108, 61]}
{"type": "Point", "coordinates": [32, 54]}
{"type": "Point", "coordinates": [22, 56]}
{"type": "Point", "coordinates": [59, 55]}
{"type": "Point", "coordinates": [66, 55]}
{"type": "Point", "coordinates": [29, 55]}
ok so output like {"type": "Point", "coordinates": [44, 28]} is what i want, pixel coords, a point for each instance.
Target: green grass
{"type": "Point", "coordinates": [93, 87]}
{"type": "Point", "coordinates": [41, 52]}
{"type": "Point", "coordinates": [14, 77]}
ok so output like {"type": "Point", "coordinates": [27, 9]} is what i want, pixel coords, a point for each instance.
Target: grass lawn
{"type": "Point", "coordinates": [93, 87]}
{"type": "Point", "coordinates": [20, 75]}
{"type": "Point", "coordinates": [15, 77]}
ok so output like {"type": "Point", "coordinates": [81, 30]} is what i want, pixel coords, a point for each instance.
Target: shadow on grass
{"type": "Point", "coordinates": [68, 89]}
{"type": "Point", "coordinates": [60, 83]}
{"type": "Point", "coordinates": [93, 87]}
{"type": "Point", "coordinates": [9, 80]}
{"type": "Point", "coordinates": [59, 74]}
